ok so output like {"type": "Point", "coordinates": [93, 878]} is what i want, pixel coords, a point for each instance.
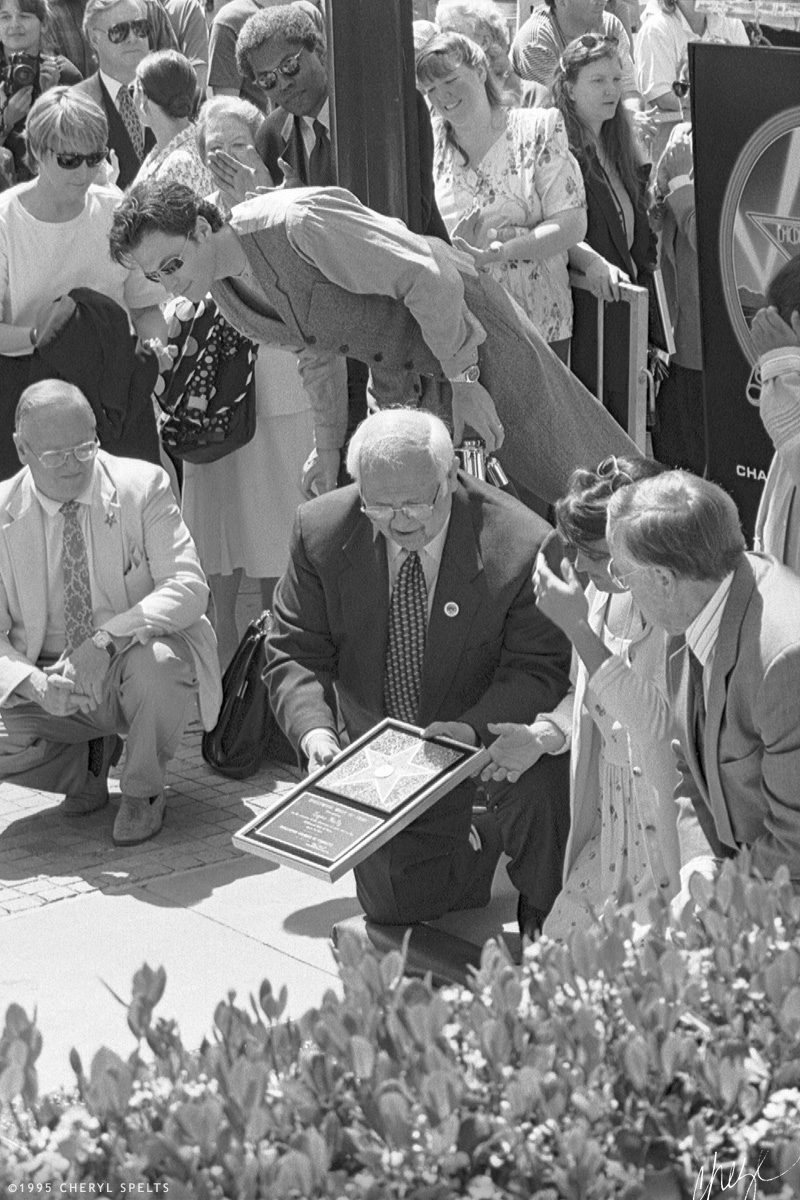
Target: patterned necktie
{"type": "Point", "coordinates": [78, 615]}
{"type": "Point", "coordinates": [405, 648]}
{"type": "Point", "coordinates": [130, 119]}
{"type": "Point", "coordinates": [320, 169]}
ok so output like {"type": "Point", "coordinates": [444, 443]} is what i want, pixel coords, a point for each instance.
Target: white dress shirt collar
{"type": "Point", "coordinates": [112, 86]}
{"type": "Point", "coordinates": [702, 634]}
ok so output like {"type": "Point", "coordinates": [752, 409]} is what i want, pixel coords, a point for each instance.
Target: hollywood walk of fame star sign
{"type": "Point", "coordinates": [344, 812]}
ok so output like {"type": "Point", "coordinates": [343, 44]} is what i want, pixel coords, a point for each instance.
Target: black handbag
{"type": "Point", "coordinates": [246, 733]}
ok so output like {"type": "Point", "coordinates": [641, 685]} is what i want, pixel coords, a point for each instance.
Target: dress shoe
{"type": "Point", "coordinates": [101, 754]}
{"type": "Point", "coordinates": [139, 818]}
{"type": "Point", "coordinates": [529, 918]}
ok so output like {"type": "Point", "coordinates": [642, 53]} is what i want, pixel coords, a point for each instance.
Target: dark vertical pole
{"type": "Point", "coordinates": [373, 106]}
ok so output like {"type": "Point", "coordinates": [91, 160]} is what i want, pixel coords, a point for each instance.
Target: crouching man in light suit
{"type": "Point", "coordinates": [102, 617]}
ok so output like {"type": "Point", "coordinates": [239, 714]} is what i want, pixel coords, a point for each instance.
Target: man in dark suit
{"type": "Point", "coordinates": [282, 47]}
{"type": "Point", "coordinates": [354, 642]}
{"type": "Point", "coordinates": [735, 677]}
{"type": "Point", "coordinates": [118, 34]}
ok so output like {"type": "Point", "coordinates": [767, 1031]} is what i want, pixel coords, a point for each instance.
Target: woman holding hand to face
{"type": "Point", "coordinates": [615, 723]}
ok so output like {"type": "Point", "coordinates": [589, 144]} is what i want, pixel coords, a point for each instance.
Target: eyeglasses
{"type": "Point", "coordinates": [621, 577]}
{"type": "Point", "coordinates": [122, 31]}
{"type": "Point", "coordinates": [288, 68]}
{"type": "Point", "coordinates": [71, 162]}
{"type": "Point", "coordinates": [412, 512]}
{"type": "Point", "coordinates": [169, 267]}
{"type": "Point", "coordinates": [574, 549]}
{"type": "Point", "coordinates": [681, 87]}
{"type": "Point", "coordinates": [610, 469]}
{"type": "Point", "coordinates": [52, 459]}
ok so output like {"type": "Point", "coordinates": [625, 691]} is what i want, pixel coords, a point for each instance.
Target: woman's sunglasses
{"type": "Point", "coordinates": [71, 162]}
{"type": "Point", "coordinates": [610, 469]}
{"type": "Point", "coordinates": [681, 87]}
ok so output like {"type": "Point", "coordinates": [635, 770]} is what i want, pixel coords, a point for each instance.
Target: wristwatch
{"type": "Point", "coordinates": [104, 641]}
{"type": "Point", "coordinates": [471, 375]}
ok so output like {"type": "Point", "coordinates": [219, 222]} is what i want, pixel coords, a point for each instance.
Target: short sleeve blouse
{"type": "Point", "coordinates": [527, 176]}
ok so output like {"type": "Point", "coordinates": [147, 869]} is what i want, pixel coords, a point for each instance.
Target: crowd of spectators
{"type": "Point", "coordinates": [150, 167]}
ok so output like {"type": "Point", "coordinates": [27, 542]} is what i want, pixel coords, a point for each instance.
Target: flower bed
{"type": "Point", "coordinates": [647, 1070]}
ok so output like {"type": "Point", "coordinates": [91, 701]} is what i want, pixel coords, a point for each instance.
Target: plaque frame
{"type": "Point", "coordinates": [353, 826]}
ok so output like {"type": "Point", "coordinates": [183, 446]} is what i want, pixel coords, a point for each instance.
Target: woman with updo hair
{"type": "Point", "coordinates": [166, 96]}
{"type": "Point", "coordinates": [615, 722]}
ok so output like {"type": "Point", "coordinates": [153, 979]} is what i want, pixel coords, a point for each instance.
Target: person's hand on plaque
{"type": "Point", "coordinates": [459, 731]}
{"type": "Point", "coordinates": [320, 747]}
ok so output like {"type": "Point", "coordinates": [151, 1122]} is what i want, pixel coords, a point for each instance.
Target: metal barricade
{"type": "Point", "coordinates": [637, 300]}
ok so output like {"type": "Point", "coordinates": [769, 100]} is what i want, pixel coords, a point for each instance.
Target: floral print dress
{"type": "Point", "coordinates": [527, 176]}
{"type": "Point", "coordinates": [616, 851]}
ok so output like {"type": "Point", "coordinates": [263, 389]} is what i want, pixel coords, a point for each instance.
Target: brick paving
{"type": "Point", "coordinates": [46, 857]}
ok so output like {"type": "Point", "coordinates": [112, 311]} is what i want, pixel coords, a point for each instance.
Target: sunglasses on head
{"type": "Point", "coordinates": [590, 41]}
{"type": "Point", "coordinates": [288, 68]}
{"type": "Point", "coordinates": [119, 33]}
{"type": "Point", "coordinates": [681, 87]}
{"type": "Point", "coordinates": [71, 162]}
{"type": "Point", "coordinates": [169, 267]}
{"type": "Point", "coordinates": [610, 469]}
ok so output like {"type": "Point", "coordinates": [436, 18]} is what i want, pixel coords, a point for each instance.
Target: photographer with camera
{"type": "Point", "coordinates": [25, 72]}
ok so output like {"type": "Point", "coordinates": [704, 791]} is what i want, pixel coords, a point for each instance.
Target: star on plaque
{"type": "Point", "coordinates": [386, 773]}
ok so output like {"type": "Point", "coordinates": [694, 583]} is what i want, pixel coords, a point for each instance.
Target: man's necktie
{"type": "Point", "coordinates": [405, 649]}
{"type": "Point", "coordinates": [130, 119]}
{"type": "Point", "coordinates": [698, 706]}
{"type": "Point", "coordinates": [320, 168]}
{"type": "Point", "coordinates": [78, 615]}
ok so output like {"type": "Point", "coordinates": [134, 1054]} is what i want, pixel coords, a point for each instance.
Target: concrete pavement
{"type": "Point", "coordinates": [79, 915]}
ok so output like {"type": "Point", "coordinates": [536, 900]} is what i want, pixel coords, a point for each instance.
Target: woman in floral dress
{"type": "Point", "coordinates": [507, 186]}
{"type": "Point", "coordinates": [615, 721]}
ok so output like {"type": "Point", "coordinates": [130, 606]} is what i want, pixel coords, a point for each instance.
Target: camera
{"type": "Point", "coordinates": [476, 462]}
{"type": "Point", "coordinates": [20, 71]}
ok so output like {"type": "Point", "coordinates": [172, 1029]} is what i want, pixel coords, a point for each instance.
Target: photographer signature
{"type": "Point", "coordinates": [724, 1178]}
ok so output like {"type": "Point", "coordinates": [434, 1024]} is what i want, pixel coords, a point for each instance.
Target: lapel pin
{"type": "Point", "coordinates": [451, 609]}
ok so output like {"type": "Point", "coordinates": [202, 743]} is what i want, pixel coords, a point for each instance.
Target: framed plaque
{"type": "Point", "coordinates": [342, 813]}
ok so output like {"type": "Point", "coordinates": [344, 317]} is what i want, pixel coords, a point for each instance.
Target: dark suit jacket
{"type": "Point", "coordinates": [118, 138]}
{"type": "Point", "coordinates": [496, 659]}
{"type": "Point", "coordinates": [606, 234]}
{"type": "Point", "coordinates": [292, 149]}
{"type": "Point", "coordinates": [750, 795]}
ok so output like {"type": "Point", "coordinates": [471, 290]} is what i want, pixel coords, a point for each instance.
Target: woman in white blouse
{"type": "Point", "coordinates": [54, 237]}
{"type": "Point", "coordinates": [166, 96]}
{"type": "Point", "coordinates": [506, 184]}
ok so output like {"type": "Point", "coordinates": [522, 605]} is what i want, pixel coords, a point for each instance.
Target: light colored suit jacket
{"type": "Point", "coordinates": [749, 794]}
{"type": "Point", "coordinates": [143, 554]}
